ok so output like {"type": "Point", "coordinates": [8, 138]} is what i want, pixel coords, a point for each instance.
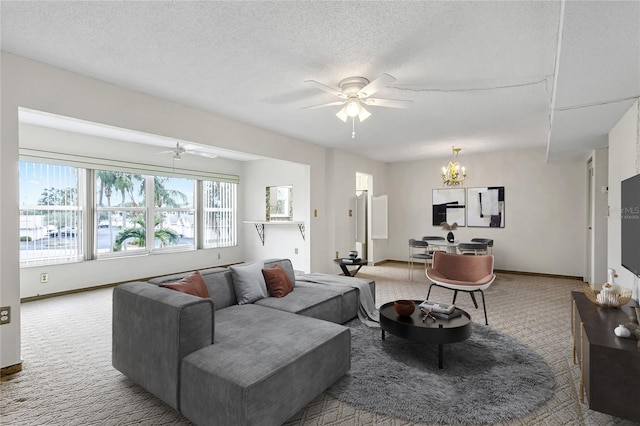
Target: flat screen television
{"type": "Point", "coordinates": [630, 218]}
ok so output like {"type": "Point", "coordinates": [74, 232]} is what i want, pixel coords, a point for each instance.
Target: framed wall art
{"type": "Point", "coordinates": [448, 206]}
{"type": "Point", "coordinates": [485, 207]}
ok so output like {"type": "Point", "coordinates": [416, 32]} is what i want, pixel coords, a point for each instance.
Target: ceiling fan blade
{"type": "Point", "coordinates": [393, 103]}
{"type": "Point", "coordinates": [202, 154]}
{"type": "Point", "coordinates": [326, 88]}
{"type": "Point", "coordinates": [375, 85]}
{"type": "Point", "coordinates": [169, 151]}
{"type": "Point", "coordinates": [325, 105]}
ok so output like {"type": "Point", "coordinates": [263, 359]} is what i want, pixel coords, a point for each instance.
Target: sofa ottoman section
{"type": "Point", "coordinates": [264, 366]}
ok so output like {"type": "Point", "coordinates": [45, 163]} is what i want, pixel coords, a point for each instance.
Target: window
{"type": "Point", "coordinates": [50, 214]}
{"type": "Point", "coordinates": [219, 206]}
{"type": "Point", "coordinates": [120, 212]}
{"type": "Point", "coordinates": [122, 229]}
{"type": "Point", "coordinates": [122, 208]}
{"type": "Point", "coordinates": [174, 212]}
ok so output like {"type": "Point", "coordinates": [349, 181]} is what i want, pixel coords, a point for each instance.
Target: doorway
{"type": "Point", "coordinates": [364, 189]}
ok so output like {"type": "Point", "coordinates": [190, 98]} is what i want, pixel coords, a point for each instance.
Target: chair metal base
{"type": "Point", "coordinates": [471, 293]}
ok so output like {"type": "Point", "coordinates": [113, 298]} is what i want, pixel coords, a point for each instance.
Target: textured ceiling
{"type": "Point", "coordinates": [480, 74]}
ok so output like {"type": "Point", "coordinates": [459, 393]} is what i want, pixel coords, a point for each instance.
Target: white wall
{"type": "Point", "coordinates": [544, 209]}
{"type": "Point", "coordinates": [624, 162]}
{"type": "Point", "coordinates": [599, 214]}
{"type": "Point", "coordinates": [41, 87]}
{"type": "Point", "coordinates": [280, 240]}
{"type": "Point", "coordinates": [342, 177]}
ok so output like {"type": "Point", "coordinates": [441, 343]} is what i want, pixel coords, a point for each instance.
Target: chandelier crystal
{"type": "Point", "coordinates": [454, 174]}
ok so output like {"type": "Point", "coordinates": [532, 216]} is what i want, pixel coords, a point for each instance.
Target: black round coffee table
{"type": "Point", "coordinates": [440, 331]}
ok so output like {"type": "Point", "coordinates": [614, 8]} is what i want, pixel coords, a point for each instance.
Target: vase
{"type": "Point", "coordinates": [404, 308]}
{"type": "Point", "coordinates": [450, 237]}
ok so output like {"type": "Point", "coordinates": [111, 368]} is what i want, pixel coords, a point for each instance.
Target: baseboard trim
{"type": "Point", "coordinates": [502, 271]}
{"type": "Point", "coordinates": [12, 369]}
{"type": "Point", "coordinates": [539, 274]}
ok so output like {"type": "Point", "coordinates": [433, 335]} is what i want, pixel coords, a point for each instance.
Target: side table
{"type": "Point", "coordinates": [343, 265]}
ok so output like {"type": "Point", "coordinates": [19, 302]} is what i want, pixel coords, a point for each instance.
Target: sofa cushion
{"type": "Point", "coordinates": [311, 302]}
{"type": "Point", "coordinates": [191, 284]}
{"type": "Point", "coordinates": [248, 282]}
{"type": "Point", "coordinates": [284, 264]}
{"type": "Point", "coordinates": [278, 282]}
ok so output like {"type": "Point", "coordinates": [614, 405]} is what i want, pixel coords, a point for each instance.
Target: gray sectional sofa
{"type": "Point", "coordinates": [221, 363]}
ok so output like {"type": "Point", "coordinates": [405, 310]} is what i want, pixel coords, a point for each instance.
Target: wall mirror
{"type": "Point", "coordinates": [448, 206]}
{"type": "Point", "coordinates": [279, 202]}
{"type": "Point", "coordinates": [485, 207]}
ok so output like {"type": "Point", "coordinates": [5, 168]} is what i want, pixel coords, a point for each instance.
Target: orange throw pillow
{"type": "Point", "coordinates": [278, 282]}
{"type": "Point", "coordinates": [193, 284]}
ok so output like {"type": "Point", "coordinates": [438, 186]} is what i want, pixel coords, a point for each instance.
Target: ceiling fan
{"type": "Point", "coordinates": [180, 150]}
{"type": "Point", "coordinates": [355, 93]}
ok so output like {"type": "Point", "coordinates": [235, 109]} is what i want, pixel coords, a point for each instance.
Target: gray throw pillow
{"type": "Point", "coordinates": [248, 282]}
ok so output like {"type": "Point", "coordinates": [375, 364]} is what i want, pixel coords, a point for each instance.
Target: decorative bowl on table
{"type": "Point", "coordinates": [404, 308]}
{"type": "Point", "coordinates": [608, 296]}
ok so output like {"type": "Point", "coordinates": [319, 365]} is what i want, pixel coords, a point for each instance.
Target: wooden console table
{"type": "Point", "coordinates": [609, 365]}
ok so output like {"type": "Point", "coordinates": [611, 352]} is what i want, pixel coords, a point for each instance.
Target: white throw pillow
{"type": "Point", "coordinates": [248, 282]}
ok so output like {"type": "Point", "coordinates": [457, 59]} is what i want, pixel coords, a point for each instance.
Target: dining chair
{"type": "Point", "coordinates": [432, 249]}
{"type": "Point", "coordinates": [462, 273]}
{"type": "Point", "coordinates": [473, 248]}
{"type": "Point", "coordinates": [418, 251]}
{"type": "Point", "coordinates": [487, 241]}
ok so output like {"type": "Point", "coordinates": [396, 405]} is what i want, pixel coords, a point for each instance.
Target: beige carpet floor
{"type": "Point", "coordinates": [67, 378]}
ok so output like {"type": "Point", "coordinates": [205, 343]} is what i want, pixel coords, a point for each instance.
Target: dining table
{"type": "Point", "coordinates": [449, 247]}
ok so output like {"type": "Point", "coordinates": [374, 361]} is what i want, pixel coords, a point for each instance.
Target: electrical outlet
{"type": "Point", "coordinates": [5, 315]}
{"type": "Point", "coordinates": [44, 278]}
{"type": "Point", "coordinates": [296, 250]}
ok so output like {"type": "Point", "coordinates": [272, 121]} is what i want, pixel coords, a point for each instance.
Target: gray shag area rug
{"type": "Point", "coordinates": [489, 378]}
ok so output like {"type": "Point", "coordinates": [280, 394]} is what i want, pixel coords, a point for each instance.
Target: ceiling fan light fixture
{"type": "Point", "coordinates": [364, 114]}
{"type": "Point", "coordinates": [353, 107]}
{"type": "Point", "coordinates": [342, 114]}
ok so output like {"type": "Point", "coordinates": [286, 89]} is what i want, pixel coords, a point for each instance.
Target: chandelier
{"type": "Point", "coordinates": [454, 174]}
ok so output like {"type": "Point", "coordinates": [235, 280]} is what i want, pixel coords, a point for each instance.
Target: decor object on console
{"type": "Point", "coordinates": [609, 296]}
{"type": "Point", "coordinates": [622, 331]}
{"type": "Point", "coordinates": [454, 174]}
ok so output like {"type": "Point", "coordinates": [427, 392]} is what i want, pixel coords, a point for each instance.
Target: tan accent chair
{"type": "Point", "coordinates": [462, 273]}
